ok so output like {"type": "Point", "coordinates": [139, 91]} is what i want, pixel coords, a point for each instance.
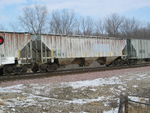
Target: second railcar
{"type": "Point", "coordinates": [138, 49]}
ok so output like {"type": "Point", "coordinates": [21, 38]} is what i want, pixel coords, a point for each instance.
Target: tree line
{"type": "Point", "coordinates": [38, 20]}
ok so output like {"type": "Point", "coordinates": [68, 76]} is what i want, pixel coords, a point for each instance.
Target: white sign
{"type": "Point", "coordinates": [7, 60]}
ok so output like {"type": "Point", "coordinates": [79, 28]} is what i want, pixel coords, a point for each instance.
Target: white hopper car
{"type": "Point", "coordinates": [22, 52]}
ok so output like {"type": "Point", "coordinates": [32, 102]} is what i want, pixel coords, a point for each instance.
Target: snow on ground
{"type": "Point", "coordinates": [16, 88]}
{"type": "Point", "coordinates": [138, 99]}
{"type": "Point", "coordinates": [97, 93]}
{"type": "Point", "coordinates": [83, 101]}
{"type": "Point", "coordinates": [94, 83]}
{"type": "Point", "coordinates": [113, 110]}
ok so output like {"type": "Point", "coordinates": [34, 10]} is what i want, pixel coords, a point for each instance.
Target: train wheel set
{"type": "Point", "coordinates": [24, 69]}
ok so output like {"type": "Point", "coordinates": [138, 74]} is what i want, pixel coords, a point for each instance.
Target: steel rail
{"type": "Point", "coordinates": [65, 72]}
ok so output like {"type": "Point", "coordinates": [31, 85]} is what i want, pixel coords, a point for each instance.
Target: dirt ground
{"type": "Point", "coordinates": [99, 95]}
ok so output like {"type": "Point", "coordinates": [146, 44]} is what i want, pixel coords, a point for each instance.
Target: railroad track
{"type": "Point", "coordinates": [66, 71]}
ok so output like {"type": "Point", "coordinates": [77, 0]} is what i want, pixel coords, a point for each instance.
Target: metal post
{"type": "Point", "coordinates": [45, 53]}
{"type": "Point", "coordinates": [120, 110]}
{"type": "Point", "coordinates": [126, 104]}
{"type": "Point", "coordinates": [41, 51]}
{"type": "Point", "coordinates": [36, 49]}
{"type": "Point", "coordinates": [31, 56]}
{"type": "Point", "coordinates": [26, 49]}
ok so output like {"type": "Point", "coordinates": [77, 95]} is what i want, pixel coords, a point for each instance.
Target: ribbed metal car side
{"type": "Point", "coordinates": [139, 48]}
{"type": "Point", "coordinates": [82, 47]}
{"type": "Point", "coordinates": [12, 46]}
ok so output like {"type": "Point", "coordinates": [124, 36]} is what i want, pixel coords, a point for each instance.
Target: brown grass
{"type": "Point", "coordinates": [2, 103]}
{"type": "Point", "coordinates": [135, 108]}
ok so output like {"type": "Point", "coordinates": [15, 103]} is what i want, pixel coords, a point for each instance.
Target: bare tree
{"type": "Point", "coordinates": [77, 29]}
{"type": "Point", "coordinates": [113, 24]}
{"type": "Point", "coordinates": [34, 19]}
{"type": "Point", "coordinates": [63, 22]}
{"type": "Point", "coordinates": [147, 30]}
{"type": "Point", "coordinates": [130, 27]}
{"type": "Point", "coordinates": [87, 26]}
{"type": "Point", "coordinates": [148, 26]}
{"type": "Point", "coordinates": [99, 27]}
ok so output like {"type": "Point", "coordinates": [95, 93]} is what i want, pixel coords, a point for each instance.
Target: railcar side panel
{"type": "Point", "coordinates": [13, 44]}
{"type": "Point", "coordinates": [82, 47]}
{"type": "Point", "coordinates": [139, 48]}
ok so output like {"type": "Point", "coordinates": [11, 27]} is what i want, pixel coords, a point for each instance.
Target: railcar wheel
{"type": "Point", "coordinates": [17, 70]}
{"type": "Point", "coordinates": [1, 71]}
{"type": "Point", "coordinates": [8, 70]}
{"type": "Point", "coordinates": [52, 67]}
{"type": "Point", "coordinates": [107, 65]}
{"type": "Point", "coordinates": [23, 69]}
{"type": "Point", "coordinates": [120, 62]}
{"type": "Point", "coordinates": [35, 68]}
{"type": "Point", "coordinates": [43, 68]}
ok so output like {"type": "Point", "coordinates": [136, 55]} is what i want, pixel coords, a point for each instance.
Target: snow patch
{"type": "Point", "coordinates": [12, 89]}
{"type": "Point", "coordinates": [142, 76]}
{"type": "Point", "coordinates": [134, 98]}
{"type": "Point", "coordinates": [92, 89]}
{"type": "Point", "coordinates": [138, 99]}
{"type": "Point", "coordinates": [94, 83]}
{"type": "Point", "coordinates": [113, 110]}
{"type": "Point", "coordinates": [121, 88]}
{"type": "Point", "coordinates": [84, 101]}
{"type": "Point", "coordinates": [135, 86]}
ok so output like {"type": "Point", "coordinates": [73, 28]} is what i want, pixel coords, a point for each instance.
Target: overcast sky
{"type": "Point", "coordinates": [140, 9]}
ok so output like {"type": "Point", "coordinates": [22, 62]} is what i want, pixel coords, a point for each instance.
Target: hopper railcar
{"type": "Point", "coordinates": [26, 52]}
